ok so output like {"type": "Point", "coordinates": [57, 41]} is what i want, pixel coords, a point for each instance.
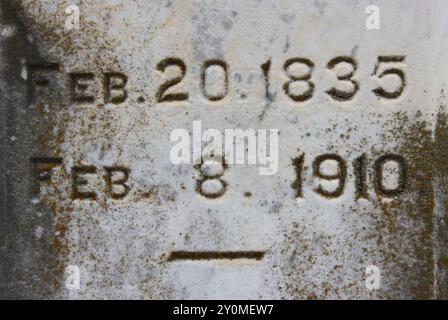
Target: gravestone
{"type": "Point", "coordinates": [350, 96]}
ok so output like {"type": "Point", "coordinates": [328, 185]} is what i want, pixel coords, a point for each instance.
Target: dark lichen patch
{"type": "Point", "coordinates": [441, 212]}
{"type": "Point", "coordinates": [32, 266]}
{"type": "Point", "coordinates": [405, 227]}
{"type": "Point", "coordinates": [396, 232]}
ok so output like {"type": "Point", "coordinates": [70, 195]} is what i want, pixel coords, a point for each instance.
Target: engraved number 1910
{"type": "Point", "coordinates": [329, 173]}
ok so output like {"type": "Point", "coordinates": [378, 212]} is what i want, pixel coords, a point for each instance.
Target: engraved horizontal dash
{"type": "Point", "coordinates": [215, 255]}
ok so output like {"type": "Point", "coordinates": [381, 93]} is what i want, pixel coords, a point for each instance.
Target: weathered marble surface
{"type": "Point", "coordinates": [314, 246]}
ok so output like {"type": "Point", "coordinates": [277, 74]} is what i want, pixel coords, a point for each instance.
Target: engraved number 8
{"type": "Point", "coordinates": [299, 78]}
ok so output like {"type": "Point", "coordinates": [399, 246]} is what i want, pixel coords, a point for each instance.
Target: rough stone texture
{"type": "Point", "coordinates": [314, 247]}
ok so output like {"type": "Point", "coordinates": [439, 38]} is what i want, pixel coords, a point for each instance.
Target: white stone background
{"type": "Point", "coordinates": [316, 247]}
